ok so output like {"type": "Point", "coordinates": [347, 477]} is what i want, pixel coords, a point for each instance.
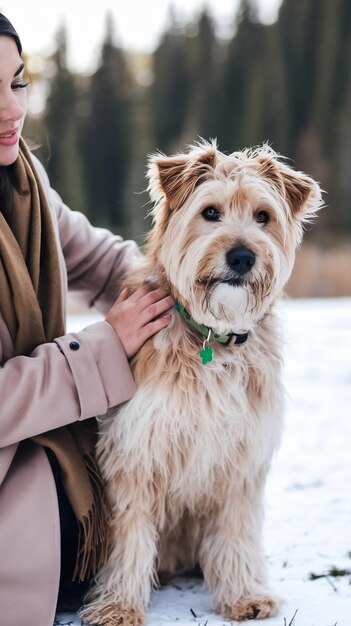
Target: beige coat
{"type": "Point", "coordinates": [52, 387]}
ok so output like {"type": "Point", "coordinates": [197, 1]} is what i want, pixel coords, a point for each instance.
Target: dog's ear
{"type": "Point", "coordinates": [176, 177]}
{"type": "Point", "coordinates": [302, 193]}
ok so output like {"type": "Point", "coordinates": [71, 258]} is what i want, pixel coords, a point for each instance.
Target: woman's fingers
{"type": "Point", "coordinates": [155, 326]}
{"type": "Point", "coordinates": [140, 293]}
{"type": "Point", "coordinates": [155, 309]}
{"type": "Point", "coordinates": [138, 317]}
{"type": "Point", "coordinates": [122, 296]}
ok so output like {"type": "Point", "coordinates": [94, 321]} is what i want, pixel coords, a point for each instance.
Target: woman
{"type": "Point", "coordinates": [51, 382]}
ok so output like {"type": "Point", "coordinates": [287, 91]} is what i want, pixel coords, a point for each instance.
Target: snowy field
{"type": "Point", "coordinates": [308, 496]}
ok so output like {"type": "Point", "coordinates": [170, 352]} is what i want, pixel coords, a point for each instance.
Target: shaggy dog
{"type": "Point", "coordinates": [186, 459]}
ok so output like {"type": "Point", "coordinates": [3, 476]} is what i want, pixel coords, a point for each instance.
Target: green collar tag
{"type": "Point", "coordinates": [206, 353]}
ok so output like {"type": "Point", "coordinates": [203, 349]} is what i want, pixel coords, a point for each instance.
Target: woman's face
{"type": "Point", "coordinates": [13, 99]}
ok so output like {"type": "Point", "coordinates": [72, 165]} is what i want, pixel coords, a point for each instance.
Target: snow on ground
{"type": "Point", "coordinates": [308, 512]}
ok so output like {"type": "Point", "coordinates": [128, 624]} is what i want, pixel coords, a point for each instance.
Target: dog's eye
{"type": "Point", "coordinates": [211, 214]}
{"type": "Point", "coordinates": [262, 217]}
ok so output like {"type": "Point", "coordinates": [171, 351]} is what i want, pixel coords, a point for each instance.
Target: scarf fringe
{"type": "Point", "coordinates": [93, 528]}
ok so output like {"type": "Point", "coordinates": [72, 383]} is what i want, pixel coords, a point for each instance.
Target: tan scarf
{"type": "Point", "coordinates": [32, 307]}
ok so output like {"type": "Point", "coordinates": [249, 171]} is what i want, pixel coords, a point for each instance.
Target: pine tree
{"type": "Point", "coordinates": [107, 134]}
{"type": "Point", "coordinates": [64, 164]}
{"type": "Point", "coordinates": [169, 92]}
{"type": "Point", "coordinates": [299, 25]}
{"type": "Point", "coordinates": [337, 131]}
{"type": "Point", "coordinates": [237, 86]}
{"type": "Point", "coordinates": [265, 117]}
{"type": "Point", "coordinates": [204, 71]}
{"type": "Point", "coordinates": [327, 52]}
{"type": "Point", "coordinates": [316, 37]}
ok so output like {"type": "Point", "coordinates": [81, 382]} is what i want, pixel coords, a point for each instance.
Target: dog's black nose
{"type": "Point", "coordinates": [241, 259]}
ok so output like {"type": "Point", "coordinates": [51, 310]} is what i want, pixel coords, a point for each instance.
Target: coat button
{"type": "Point", "coordinates": [74, 345]}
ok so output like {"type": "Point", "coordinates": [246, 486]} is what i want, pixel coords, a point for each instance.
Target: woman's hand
{"type": "Point", "coordinates": [137, 317]}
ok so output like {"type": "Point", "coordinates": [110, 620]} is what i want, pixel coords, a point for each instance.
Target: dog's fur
{"type": "Point", "coordinates": [186, 459]}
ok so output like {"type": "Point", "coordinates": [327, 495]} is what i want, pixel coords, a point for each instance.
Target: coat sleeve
{"type": "Point", "coordinates": [82, 374]}
{"type": "Point", "coordinates": [77, 376]}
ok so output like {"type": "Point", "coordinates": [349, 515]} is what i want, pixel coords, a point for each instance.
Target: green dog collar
{"type": "Point", "coordinates": [209, 334]}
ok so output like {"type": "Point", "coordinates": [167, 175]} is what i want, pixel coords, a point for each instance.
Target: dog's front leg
{"type": "Point", "coordinates": [231, 554]}
{"type": "Point", "coordinates": [124, 584]}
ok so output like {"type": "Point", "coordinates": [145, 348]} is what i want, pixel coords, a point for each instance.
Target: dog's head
{"type": "Point", "coordinates": [226, 228]}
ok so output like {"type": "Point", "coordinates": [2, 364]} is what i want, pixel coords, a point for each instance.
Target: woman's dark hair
{"type": "Point", "coordinates": [6, 174]}
{"type": "Point", "coordinates": [7, 183]}
{"type": "Point", "coordinates": [6, 28]}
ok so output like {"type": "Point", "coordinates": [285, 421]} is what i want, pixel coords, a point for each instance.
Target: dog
{"type": "Point", "coordinates": [186, 459]}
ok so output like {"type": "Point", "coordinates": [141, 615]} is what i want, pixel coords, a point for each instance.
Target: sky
{"type": "Point", "coordinates": [139, 23]}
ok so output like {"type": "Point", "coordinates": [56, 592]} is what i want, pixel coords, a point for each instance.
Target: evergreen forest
{"type": "Point", "coordinates": [286, 83]}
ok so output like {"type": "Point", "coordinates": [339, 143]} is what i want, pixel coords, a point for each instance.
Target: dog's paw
{"type": "Point", "coordinates": [112, 615]}
{"type": "Point", "coordinates": [258, 607]}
